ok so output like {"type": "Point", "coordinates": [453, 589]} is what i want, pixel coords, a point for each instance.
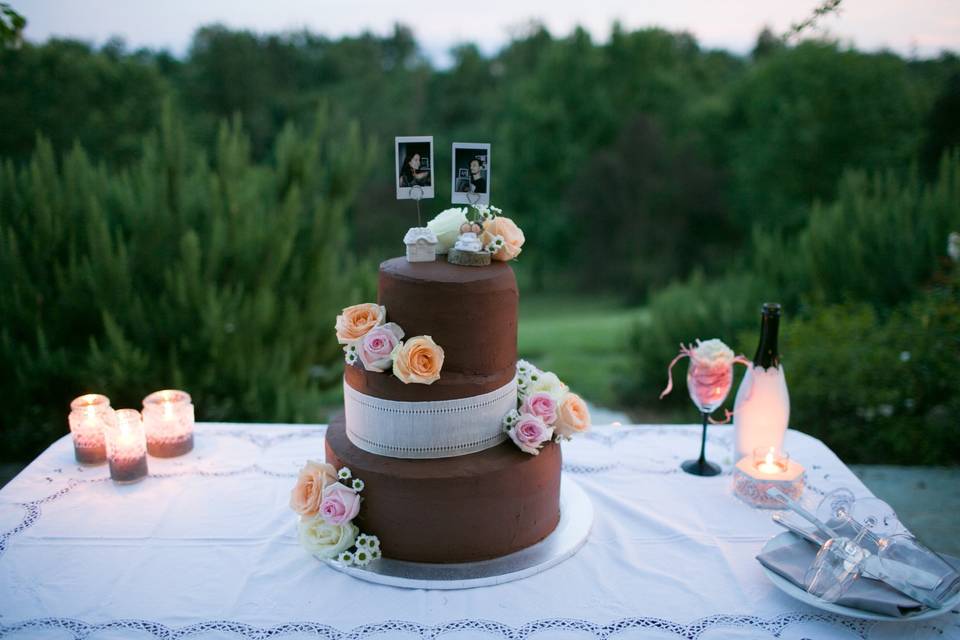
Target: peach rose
{"type": "Point", "coordinates": [418, 360]}
{"type": "Point", "coordinates": [572, 416]}
{"type": "Point", "coordinates": [356, 321]}
{"type": "Point", "coordinates": [512, 237]}
{"type": "Point", "coordinates": [306, 496]}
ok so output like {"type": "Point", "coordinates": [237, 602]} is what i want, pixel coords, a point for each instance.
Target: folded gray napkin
{"type": "Point", "coordinates": [792, 562]}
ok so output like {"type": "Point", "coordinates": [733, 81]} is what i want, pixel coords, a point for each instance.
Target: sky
{"type": "Point", "coordinates": [921, 28]}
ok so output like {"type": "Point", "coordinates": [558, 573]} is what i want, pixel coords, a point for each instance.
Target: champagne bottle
{"type": "Point", "coordinates": [761, 411]}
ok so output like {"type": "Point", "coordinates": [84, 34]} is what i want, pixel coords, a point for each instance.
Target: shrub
{"type": "Point", "coordinates": [876, 243]}
{"type": "Point", "coordinates": [218, 276]}
{"type": "Point", "coordinates": [879, 390]}
{"type": "Point", "coordinates": [682, 312]}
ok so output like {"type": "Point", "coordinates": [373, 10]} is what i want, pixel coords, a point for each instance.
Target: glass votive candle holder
{"type": "Point", "coordinates": [89, 416]}
{"type": "Point", "coordinates": [768, 467]}
{"type": "Point", "coordinates": [127, 447]}
{"type": "Point", "coordinates": [168, 420]}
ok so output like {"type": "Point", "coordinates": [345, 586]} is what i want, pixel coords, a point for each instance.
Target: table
{"type": "Point", "coordinates": [206, 548]}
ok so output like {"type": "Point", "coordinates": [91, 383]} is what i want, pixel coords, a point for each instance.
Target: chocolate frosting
{"type": "Point", "coordinates": [473, 507]}
{"type": "Point", "coordinates": [471, 312]}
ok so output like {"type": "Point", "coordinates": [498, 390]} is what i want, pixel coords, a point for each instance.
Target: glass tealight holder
{"type": "Point", "coordinates": [168, 420]}
{"type": "Point", "coordinates": [89, 415]}
{"type": "Point", "coordinates": [768, 467]}
{"type": "Point", "coordinates": [127, 447]}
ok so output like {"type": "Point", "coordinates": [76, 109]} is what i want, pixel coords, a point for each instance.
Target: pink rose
{"type": "Point", "coordinates": [542, 405]}
{"type": "Point", "coordinates": [376, 348]}
{"type": "Point", "coordinates": [340, 504]}
{"type": "Point", "coordinates": [313, 479]}
{"type": "Point", "coordinates": [529, 433]}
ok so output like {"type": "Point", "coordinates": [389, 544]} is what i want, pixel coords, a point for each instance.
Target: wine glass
{"type": "Point", "coordinates": [708, 383]}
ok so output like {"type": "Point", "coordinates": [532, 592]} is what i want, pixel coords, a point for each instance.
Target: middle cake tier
{"type": "Point", "coordinates": [471, 313]}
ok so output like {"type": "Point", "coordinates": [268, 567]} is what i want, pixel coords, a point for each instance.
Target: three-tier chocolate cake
{"type": "Point", "coordinates": [442, 483]}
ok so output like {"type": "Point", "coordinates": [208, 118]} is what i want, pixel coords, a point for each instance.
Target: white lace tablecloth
{"type": "Point", "coordinates": [206, 548]}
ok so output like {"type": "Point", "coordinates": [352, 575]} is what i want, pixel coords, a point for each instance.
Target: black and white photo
{"type": "Point", "coordinates": [414, 167]}
{"type": "Point", "coordinates": [471, 173]}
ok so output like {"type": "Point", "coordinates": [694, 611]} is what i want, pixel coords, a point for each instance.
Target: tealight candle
{"type": "Point", "coordinates": [89, 416]}
{"type": "Point", "coordinates": [767, 467]}
{"type": "Point", "coordinates": [126, 447]}
{"type": "Point", "coordinates": [168, 420]}
{"type": "Point", "coordinates": [770, 460]}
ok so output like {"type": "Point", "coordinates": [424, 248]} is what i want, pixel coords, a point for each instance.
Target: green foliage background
{"type": "Point", "coordinates": [196, 221]}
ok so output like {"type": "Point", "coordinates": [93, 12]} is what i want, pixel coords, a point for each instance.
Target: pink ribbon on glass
{"type": "Point", "coordinates": [708, 379]}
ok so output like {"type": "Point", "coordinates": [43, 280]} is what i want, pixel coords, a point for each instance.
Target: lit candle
{"type": "Point", "coordinates": [126, 447]}
{"type": "Point", "coordinates": [767, 468]}
{"type": "Point", "coordinates": [168, 420]}
{"type": "Point", "coordinates": [770, 460]}
{"type": "Point", "coordinates": [89, 416]}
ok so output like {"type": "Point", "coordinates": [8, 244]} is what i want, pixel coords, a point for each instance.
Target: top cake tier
{"type": "Point", "coordinates": [471, 312]}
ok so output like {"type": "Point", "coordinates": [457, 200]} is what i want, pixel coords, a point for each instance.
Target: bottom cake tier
{"type": "Point", "coordinates": [462, 509]}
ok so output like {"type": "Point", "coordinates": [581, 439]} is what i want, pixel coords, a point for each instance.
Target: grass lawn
{"type": "Point", "coordinates": [581, 339]}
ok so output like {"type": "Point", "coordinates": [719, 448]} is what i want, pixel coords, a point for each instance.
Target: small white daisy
{"type": "Point", "coordinates": [362, 557]}
{"type": "Point", "coordinates": [345, 558]}
{"type": "Point", "coordinates": [363, 541]}
{"type": "Point", "coordinates": [344, 473]}
{"type": "Point", "coordinates": [375, 553]}
{"type": "Point", "coordinates": [357, 484]}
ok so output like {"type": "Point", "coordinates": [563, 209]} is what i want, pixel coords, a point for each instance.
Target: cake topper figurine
{"type": "Point", "coordinates": [468, 250]}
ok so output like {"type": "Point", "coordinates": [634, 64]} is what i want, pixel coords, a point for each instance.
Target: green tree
{"type": "Point", "coordinates": [802, 115]}
{"type": "Point", "coordinates": [216, 275]}
{"type": "Point", "coordinates": [68, 92]}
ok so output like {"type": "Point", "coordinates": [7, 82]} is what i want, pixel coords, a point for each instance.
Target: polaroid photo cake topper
{"type": "Point", "coordinates": [414, 167]}
{"type": "Point", "coordinates": [471, 173]}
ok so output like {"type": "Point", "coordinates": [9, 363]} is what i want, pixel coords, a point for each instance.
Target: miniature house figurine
{"type": "Point", "coordinates": [421, 244]}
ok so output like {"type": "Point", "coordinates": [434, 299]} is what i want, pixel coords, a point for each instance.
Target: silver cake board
{"type": "Point", "coordinates": [576, 518]}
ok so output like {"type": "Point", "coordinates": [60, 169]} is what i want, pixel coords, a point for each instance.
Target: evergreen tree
{"type": "Point", "coordinates": [215, 275]}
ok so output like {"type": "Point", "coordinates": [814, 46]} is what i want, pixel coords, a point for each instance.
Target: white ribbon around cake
{"type": "Point", "coordinates": [424, 430]}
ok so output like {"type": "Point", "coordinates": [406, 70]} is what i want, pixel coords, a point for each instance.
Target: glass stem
{"type": "Point", "coordinates": [703, 442]}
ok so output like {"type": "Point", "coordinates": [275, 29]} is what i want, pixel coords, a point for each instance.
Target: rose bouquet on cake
{"type": "Point", "coordinates": [378, 345]}
{"type": "Point", "coordinates": [499, 235]}
{"type": "Point", "coordinates": [546, 410]}
{"type": "Point", "coordinates": [327, 501]}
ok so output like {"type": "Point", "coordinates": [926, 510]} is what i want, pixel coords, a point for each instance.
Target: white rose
{"type": "Point", "coordinates": [446, 226]}
{"type": "Point", "coordinates": [548, 382]}
{"type": "Point", "coordinates": [713, 353]}
{"type": "Point", "coordinates": [326, 540]}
